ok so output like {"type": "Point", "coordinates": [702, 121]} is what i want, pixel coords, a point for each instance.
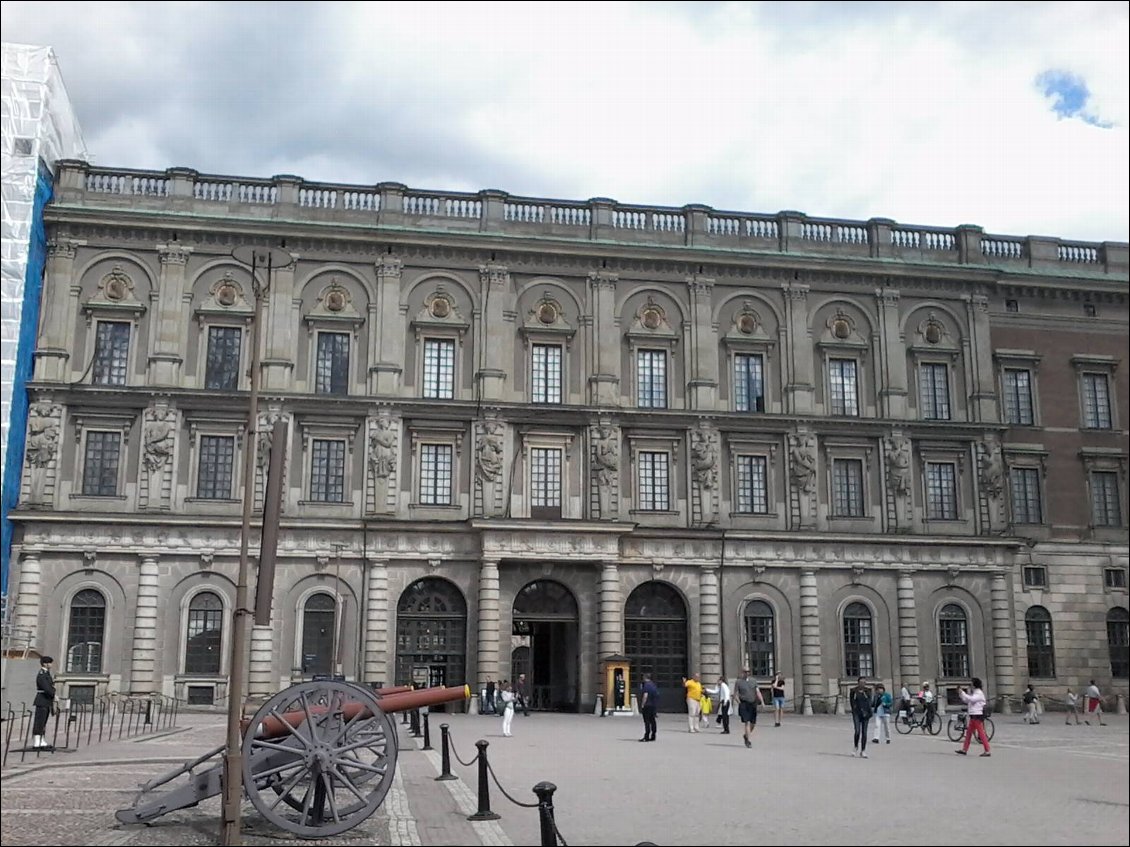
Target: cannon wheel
{"type": "Point", "coordinates": [332, 766]}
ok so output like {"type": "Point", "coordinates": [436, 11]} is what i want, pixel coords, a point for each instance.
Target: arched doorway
{"type": "Point", "coordinates": [431, 635]}
{"type": "Point", "coordinates": [655, 640]}
{"type": "Point", "coordinates": [545, 645]}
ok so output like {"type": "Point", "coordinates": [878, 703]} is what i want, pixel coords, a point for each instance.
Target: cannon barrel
{"type": "Point", "coordinates": [423, 697]}
{"type": "Point", "coordinates": [391, 689]}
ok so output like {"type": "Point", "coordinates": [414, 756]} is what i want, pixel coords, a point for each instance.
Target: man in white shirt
{"type": "Point", "coordinates": [723, 695]}
{"type": "Point", "coordinates": [927, 698]}
{"type": "Point", "coordinates": [1093, 704]}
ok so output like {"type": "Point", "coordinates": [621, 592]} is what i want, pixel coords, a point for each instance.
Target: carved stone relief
{"type": "Point", "coordinates": [605, 441]}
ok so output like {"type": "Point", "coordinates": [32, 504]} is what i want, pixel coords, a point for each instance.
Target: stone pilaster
{"type": "Point", "coordinates": [604, 383]}
{"type": "Point", "coordinates": [611, 609]}
{"type": "Point", "coordinates": [261, 675]}
{"type": "Point", "coordinates": [25, 617]}
{"type": "Point", "coordinates": [59, 310]}
{"type": "Point", "coordinates": [709, 626]}
{"type": "Point", "coordinates": [702, 364]}
{"type": "Point", "coordinates": [1002, 642]}
{"type": "Point", "coordinates": [276, 338]}
{"type": "Point", "coordinates": [799, 388]}
{"type": "Point", "coordinates": [143, 660]}
{"type": "Point", "coordinates": [488, 661]}
{"type": "Point", "coordinates": [979, 361]}
{"type": "Point", "coordinates": [376, 667]}
{"type": "Point", "coordinates": [892, 352]}
{"type": "Point", "coordinates": [909, 668]}
{"type": "Point", "coordinates": [166, 360]}
{"type": "Point", "coordinates": [496, 331]}
{"type": "Point", "coordinates": [811, 660]}
{"type": "Point", "coordinates": [386, 330]}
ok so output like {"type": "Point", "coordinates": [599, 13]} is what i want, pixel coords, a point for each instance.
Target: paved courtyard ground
{"type": "Point", "coordinates": [799, 784]}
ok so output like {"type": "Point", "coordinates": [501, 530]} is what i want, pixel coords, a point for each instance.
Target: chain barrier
{"type": "Point", "coordinates": [454, 752]}
{"type": "Point", "coordinates": [506, 794]}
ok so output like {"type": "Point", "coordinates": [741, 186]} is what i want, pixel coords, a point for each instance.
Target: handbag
{"type": "Point", "coordinates": [987, 710]}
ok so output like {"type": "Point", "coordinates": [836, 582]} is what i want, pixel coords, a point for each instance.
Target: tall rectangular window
{"type": "Point", "coordinates": [1096, 401]}
{"type": "Point", "coordinates": [213, 478]}
{"type": "Point", "coordinates": [439, 368]}
{"type": "Point", "coordinates": [934, 391]}
{"type": "Point", "coordinates": [331, 375]}
{"type": "Point", "coordinates": [1106, 508]}
{"type": "Point", "coordinates": [651, 379]}
{"type": "Point", "coordinates": [941, 491]}
{"type": "Point", "coordinates": [1026, 506]}
{"type": "Point", "coordinates": [435, 474]}
{"type": "Point", "coordinates": [221, 372]}
{"type": "Point", "coordinates": [654, 482]}
{"type": "Point", "coordinates": [843, 385]}
{"type": "Point", "coordinates": [545, 373]}
{"type": "Point", "coordinates": [1018, 396]}
{"type": "Point", "coordinates": [753, 488]}
{"type": "Point", "coordinates": [847, 488]}
{"type": "Point", "coordinates": [327, 471]}
{"type": "Point", "coordinates": [545, 482]}
{"type": "Point", "coordinates": [100, 466]}
{"type": "Point", "coordinates": [749, 383]}
{"type": "Point", "coordinates": [111, 353]}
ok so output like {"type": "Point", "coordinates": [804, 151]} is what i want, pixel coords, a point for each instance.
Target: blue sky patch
{"type": "Point", "coordinates": [1071, 96]}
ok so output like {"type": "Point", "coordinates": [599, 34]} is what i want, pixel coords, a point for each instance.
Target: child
{"type": "Point", "coordinates": [1072, 702]}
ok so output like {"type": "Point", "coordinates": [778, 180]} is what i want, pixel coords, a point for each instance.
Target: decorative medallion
{"type": "Point", "coordinates": [440, 306]}
{"type": "Point", "coordinates": [117, 285]}
{"type": "Point", "coordinates": [336, 299]}
{"type": "Point", "coordinates": [651, 316]}
{"type": "Point", "coordinates": [547, 312]}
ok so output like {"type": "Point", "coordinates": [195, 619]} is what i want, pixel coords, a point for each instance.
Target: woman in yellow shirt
{"type": "Point", "coordinates": [694, 695]}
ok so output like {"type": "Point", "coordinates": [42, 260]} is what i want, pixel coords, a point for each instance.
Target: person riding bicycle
{"type": "Point", "coordinates": [929, 704]}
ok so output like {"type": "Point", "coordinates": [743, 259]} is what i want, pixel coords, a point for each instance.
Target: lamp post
{"type": "Point", "coordinates": [267, 259]}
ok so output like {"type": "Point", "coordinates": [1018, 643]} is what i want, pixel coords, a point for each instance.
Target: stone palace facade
{"type": "Point", "coordinates": [524, 435]}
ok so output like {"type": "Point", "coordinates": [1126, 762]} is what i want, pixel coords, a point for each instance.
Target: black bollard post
{"type": "Point", "coordinates": [484, 813]}
{"type": "Point", "coordinates": [545, 790]}
{"type": "Point", "coordinates": [427, 734]}
{"type": "Point", "coordinates": [445, 755]}
{"type": "Point", "coordinates": [416, 723]}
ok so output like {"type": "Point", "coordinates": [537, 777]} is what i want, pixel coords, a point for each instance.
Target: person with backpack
{"type": "Point", "coordinates": [860, 699]}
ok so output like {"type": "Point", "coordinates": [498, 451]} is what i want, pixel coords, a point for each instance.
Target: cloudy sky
{"type": "Point", "coordinates": [1012, 116]}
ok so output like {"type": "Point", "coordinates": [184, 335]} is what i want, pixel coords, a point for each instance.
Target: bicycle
{"type": "Point", "coordinates": [959, 722]}
{"type": "Point", "coordinates": [906, 721]}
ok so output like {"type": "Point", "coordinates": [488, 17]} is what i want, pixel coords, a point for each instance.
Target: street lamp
{"type": "Point", "coordinates": [267, 259]}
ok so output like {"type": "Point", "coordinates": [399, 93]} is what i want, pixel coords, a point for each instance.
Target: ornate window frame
{"type": "Point", "coordinates": [671, 447]}
{"type": "Point", "coordinates": [841, 340]}
{"type": "Point", "coordinates": [85, 422]}
{"type": "Point", "coordinates": [932, 344]}
{"type": "Point", "coordinates": [1105, 366]}
{"type": "Point", "coordinates": [225, 306]}
{"type": "Point", "coordinates": [747, 336]}
{"type": "Point", "coordinates": [224, 427]}
{"type": "Point", "coordinates": [452, 435]}
{"type": "Point", "coordinates": [440, 319]}
{"type": "Point", "coordinates": [651, 330]}
{"type": "Point", "coordinates": [115, 301]}
{"type": "Point", "coordinates": [1019, 360]}
{"type": "Point", "coordinates": [544, 439]}
{"type": "Point", "coordinates": [329, 430]}
{"type": "Point", "coordinates": [546, 324]}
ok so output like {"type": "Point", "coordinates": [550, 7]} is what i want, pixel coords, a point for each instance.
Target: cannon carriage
{"type": "Point", "coordinates": [318, 758]}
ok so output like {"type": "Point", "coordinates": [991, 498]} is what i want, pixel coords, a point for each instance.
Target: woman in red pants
{"type": "Point", "coordinates": [975, 702]}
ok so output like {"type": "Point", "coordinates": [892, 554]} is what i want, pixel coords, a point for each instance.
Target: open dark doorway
{"type": "Point", "coordinates": [545, 646]}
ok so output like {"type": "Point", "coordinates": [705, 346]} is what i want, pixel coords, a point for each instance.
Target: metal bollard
{"type": "Point", "coordinates": [404, 718]}
{"type": "Point", "coordinates": [415, 730]}
{"type": "Point", "coordinates": [427, 734]}
{"type": "Point", "coordinates": [445, 756]}
{"type": "Point", "coordinates": [484, 813]}
{"type": "Point", "coordinates": [545, 790]}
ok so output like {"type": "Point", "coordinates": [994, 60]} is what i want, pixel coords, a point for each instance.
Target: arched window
{"type": "Point", "coordinates": [953, 641]}
{"type": "Point", "coordinates": [655, 640]}
{"type": "Point", "coordinates": [859, 644]}
{"type": "Point", "coordinates": [319, 619]}
{"type": "Point", "coordinates": [86, 632]}
{"type": "Point", "coordinates": [1118, 641]}
{"type": "Point", "coordinates": [205, 632]}
{"type": "Point", "coordinates": [1041, 650]}
{"type": "Point", "coordinates": [759, 639]}
{"type": "Point", "coordinates": [431, 634]}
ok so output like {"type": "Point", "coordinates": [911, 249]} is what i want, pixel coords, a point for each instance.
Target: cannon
{"type": "Point", "coordinates": [318, 758]}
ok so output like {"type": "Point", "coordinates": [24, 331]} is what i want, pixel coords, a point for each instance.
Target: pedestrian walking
{"type": "Point", "coordinates": [1031, 705]}
{"type": "Point", "coordinates": [975, 704]}
{"type": "Point", "coordinates": [749, 697]}
{"type": "Point", "coordinates": [489, 705]}
{"type": "Point", "coordinates": [1093, 701]}
{"type": "Point", "coordinates": [881, 704]}
{"type": "Point", "coordinates": [1072, 703]}
{"type": "Point", "coordinates": [722, 696]}
{"type": "Point", "coordinates": [694, 701]}
{"type": "Point", "coordinates": [929, 705]}
{"type": "Point", "coordinates": [649, 705]}
{"type": "Point", "coordinates": [860, 699]}
{"type": "Point", "coordinates": [507, 697]}
{"type": "Point", "coordinates": [44, 702]}
{"type": "Point", "coordinates": [522, 695]}
{"type": "Point", "coordinates": [778, 693]}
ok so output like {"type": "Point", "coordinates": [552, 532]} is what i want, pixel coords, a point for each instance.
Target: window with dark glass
{"type": "Point", "coordinates": [653, 482]}
{"type": "Point", "coordinates": [759, 639]}
{"type": "Point", "coordinates": [111, 353]}
{"type": "Point", "coordinates": [327, 471]}
{"type": "Point", "coordinates": [100, 465]}
{"type": "Point", "coordinates": [843, 386]}
{"type": "Point", "coordinates": [752, 484]}
{"type": "Point", "coordinates": [86, 632]}
{"type": "Point", "coordinates": [1106, 508]}
{"type": "Point", "coordinates": [941, 491]}
{"type": "Point", "coordinates": [934, 391]}
{"type": "Point", "coordinates": [439, 368]}
{"type": "Point", "coordinates": [214, 474]}
{"type": "Point", "coordinates": [205, 633]}
{"type": "Point", "coordinates": [1041, 650]}
{"type": "Point", "coordinates": [953, 641]}
{"type": "Point", "coordinates": [545, 482]}
{"type": "Point", "coordinates": [859, 648]}
{"type": "Point", "coordinates": [332, 368]}
{"type": "Point", "coordinates": [1025, 485]}
{"type": "Point", "coordinates": [435, 474]}
{"type": "Point", "coordinates": [319, 619]}
{"type": "Point", "coordinates": [1096, 401]}
{"type": "Point", "coordinates": [651, 378]}
{"type": "Point", "coordinates": [1018, 396]}
{"type": "Point", "coordinates": [545, 368]}
{"type": "Point", "coordinates": [1035, 576]}
{"type": "Point", "coordinates": [1118, 642]}
{"type": "Point", "coordinates": [222, 369]}
{"type": "Point", "coordinates": [1114, 577]}
{"type": "Point", "coordinates": [749, 383]}
{"type": "Point", "coordinates": [847, 488]}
